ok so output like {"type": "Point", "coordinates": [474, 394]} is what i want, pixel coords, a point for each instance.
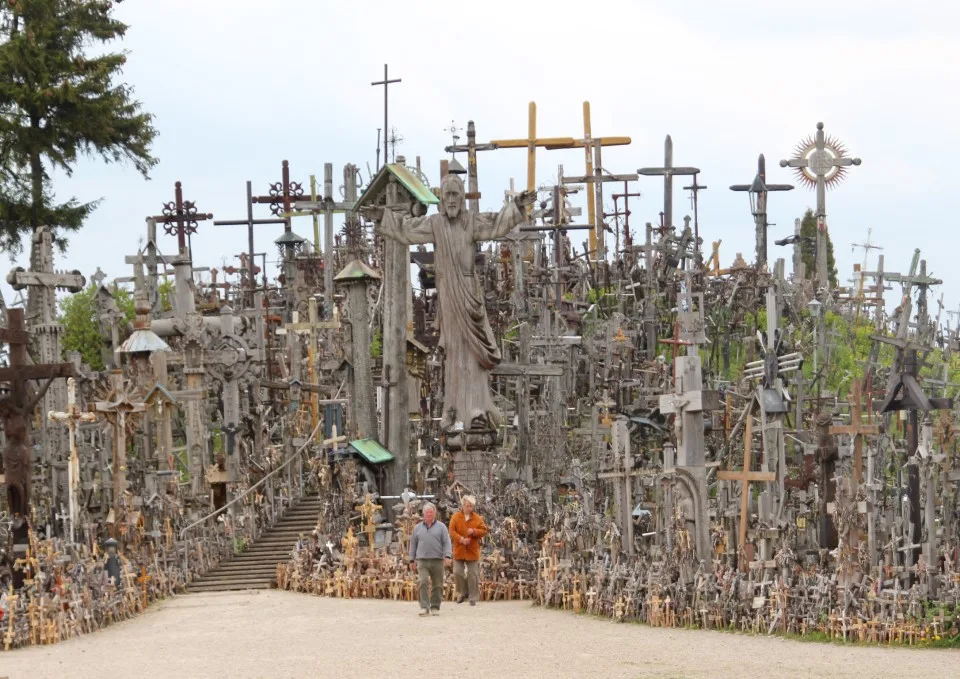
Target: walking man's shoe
{"type": "Point", "coordinates": [435, 611]}
{"type": "Point", "coordinates": [424, 612]}
{"type": "Point", "coordinates": [473, 603]}
{"type": "Point", "coordinates": [461, 599]}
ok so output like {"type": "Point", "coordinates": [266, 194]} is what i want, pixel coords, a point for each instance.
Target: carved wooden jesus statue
{"type": "Point", "coordinates": [470, 349]}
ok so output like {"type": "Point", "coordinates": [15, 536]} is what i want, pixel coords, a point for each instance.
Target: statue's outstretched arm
{"type": "Point", "coordinates": [411, 231]}
{"type": "Point", "coordinates": [490, 226]}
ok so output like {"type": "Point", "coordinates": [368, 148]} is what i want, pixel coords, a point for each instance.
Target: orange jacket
{"type": "Point", "coordinates": [459, 527]}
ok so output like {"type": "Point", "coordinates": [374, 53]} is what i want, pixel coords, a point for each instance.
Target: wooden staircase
{"type": "Point", "coordinates": [256, 566]}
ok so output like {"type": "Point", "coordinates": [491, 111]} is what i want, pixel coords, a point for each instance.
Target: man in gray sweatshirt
{"type": "Point", "coordinates": [430, 551]}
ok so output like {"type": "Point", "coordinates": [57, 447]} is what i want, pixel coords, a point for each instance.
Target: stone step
{"type": "Point", "coordinates": [256, 566]}
{"type": "Point", "coordinates": [252, 572]}
{"type": "Point", "coordinates": [227, 586]}
{"type": "Point", "coordinates": [240, 565]}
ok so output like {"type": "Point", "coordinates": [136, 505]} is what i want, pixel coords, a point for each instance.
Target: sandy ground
{"type": "Point", "coordinates": [279, 634]}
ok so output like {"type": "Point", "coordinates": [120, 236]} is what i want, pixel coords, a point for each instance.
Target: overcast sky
{"type": "Point", "coordinates": [237, 86]}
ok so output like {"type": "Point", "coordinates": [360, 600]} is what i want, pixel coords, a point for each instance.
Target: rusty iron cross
{"type": "Point", "coordinates": [180, 216]}
{"type": "Point", "coordinates": [282, 195]}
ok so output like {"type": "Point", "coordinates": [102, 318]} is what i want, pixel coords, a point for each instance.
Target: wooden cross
{"type": "Point", "coordinates": [143, 580]}
{"type": "Point", "coordinates": [667, 172]}
{"type": "Point", "coordinates": [310, 328]}
{"type": "Point", "coordinates": [367, 510]}
{"type": "Point", "coordinates": [73, 416]}
{"type": "Point", "coordinates": [12, 598]}
{"type": "Point", "coordinates": [857, 429]}
{"type": "Point", "coordinates": [471, 148]}
{"type": "Point", "coordinates": [593, 173]}
{"type": "Point", "coordinates": [676, 343]}
{"type": "Point", "coordinates": [745, 477]}
{"type": "Point", "coordinates": [334, 440]}
{"type": "Point", "coordinates": [180, 216]}
{"type": "Point", "coordinates": [116, 412]}
{"type": "Point", "coordinates": [250, 222]}
{"type": "Point", "coordinates": [329, 207]}
{"type": "Point", "coordinates": [531, 143]}
{"type": "Point", "coordinates": [18, 405]}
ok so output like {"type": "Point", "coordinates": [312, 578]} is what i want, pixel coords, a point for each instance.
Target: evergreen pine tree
{"type": "Point", "coordinates": [58, 102]}
{"type": "Point", "coordinates": [808, 249]}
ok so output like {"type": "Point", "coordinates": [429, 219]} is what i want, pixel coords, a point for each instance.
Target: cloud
{"type": "Point", "coordinates": [239, 86]}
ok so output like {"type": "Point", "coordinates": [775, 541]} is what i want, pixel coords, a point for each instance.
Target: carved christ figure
{"type": "Point", "coordinates": [469, 347]}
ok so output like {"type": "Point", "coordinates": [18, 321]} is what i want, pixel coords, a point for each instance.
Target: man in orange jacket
{"type": "Point", "coordinates": [466, 530]}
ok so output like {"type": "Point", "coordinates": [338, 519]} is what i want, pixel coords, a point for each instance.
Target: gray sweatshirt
{"type": "Point", "coordinates": [430, 543]}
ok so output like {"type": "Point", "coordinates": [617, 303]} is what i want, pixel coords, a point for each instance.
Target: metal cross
{"type": "Point", "coordinates": [250, 222]}
{"type": "Point", "coordinates": [180, 216]}
{"type": "Point", "coordinates": [386, 82]}
{"type": "Point", "coordinates": [758, 190]}
{"type": "Point", "coordinates": [282, 195]}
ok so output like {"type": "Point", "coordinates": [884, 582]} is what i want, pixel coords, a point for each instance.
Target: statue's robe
{"type": "Point", "coordinates": [469, 347]}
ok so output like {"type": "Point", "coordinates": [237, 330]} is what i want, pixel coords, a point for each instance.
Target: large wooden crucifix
{"type": "Point", "coordinates": [180, 216]}
{"type": "Point", "coordinates": [667, 172]}
{"type": "Point", "coordinates": [16, 408]}
{"type": "Point", "coordinates": [857, 429]}
{"type": "Point", "coordinates": [745, 477]}
{"type": "Point", "coordinates": [758, 190]}
{"type": "Point", "coordinates": [531, 143]}
{"type": "Point", "coordinates": [593, 174]}
{"type": "Point", "coordinates": [250, 222]}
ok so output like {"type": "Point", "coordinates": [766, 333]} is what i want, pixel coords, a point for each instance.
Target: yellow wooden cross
{"type": "Point", "coordinates": [745, 477]}
{"type": "Point", "coordinates": [12, 598]}
{"type": "Point", "coordinates": [531, 143]}
{"type": "Point", "coordinates": [143, 580]}
{"type": "Point", "coordinates": [591, 151]}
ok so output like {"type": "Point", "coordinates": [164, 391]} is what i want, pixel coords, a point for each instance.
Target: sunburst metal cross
{"type": "Point", "coordinates": [820, 162]}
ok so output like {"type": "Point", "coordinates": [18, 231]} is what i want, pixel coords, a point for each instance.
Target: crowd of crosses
{"type": "Point", "coordinates": [654, 430]}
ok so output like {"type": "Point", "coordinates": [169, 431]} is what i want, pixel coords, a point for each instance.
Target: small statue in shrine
{"type": "Point", "coordinates": [470, 349]}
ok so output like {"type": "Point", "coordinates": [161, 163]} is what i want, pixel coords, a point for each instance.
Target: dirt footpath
{"type": "Point", "coordinates": [278, 634]}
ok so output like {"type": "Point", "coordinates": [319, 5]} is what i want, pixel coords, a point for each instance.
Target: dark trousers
{"type": "Point", "coordinates": [430, 575]}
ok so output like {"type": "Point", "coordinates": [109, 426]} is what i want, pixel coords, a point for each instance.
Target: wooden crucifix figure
{"type": "Point", "coordinates": [16, 408]}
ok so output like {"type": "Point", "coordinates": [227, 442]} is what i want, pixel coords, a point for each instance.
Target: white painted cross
{"type": "Point", "coordinates": [72, 416]}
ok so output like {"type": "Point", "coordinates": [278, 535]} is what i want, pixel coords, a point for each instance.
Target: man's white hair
{"type": "Point", "coordinates": [469, 498]}
{"type": "Point", "coordinates": [429, 505]}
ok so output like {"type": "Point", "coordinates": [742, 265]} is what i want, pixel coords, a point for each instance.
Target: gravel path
{"type": "Point", "coordinates": [279, 634]}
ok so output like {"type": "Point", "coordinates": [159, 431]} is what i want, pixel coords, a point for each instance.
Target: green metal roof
{"type": "Point", "coordinates": [371, 451]}
{"type": "Point", "coordinates": [420, 191]}
{"type": "Point", "coordinates": [355, 270]}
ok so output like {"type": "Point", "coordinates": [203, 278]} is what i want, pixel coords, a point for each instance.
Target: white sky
{"type": "Point", "coordinates": [237, 86]}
